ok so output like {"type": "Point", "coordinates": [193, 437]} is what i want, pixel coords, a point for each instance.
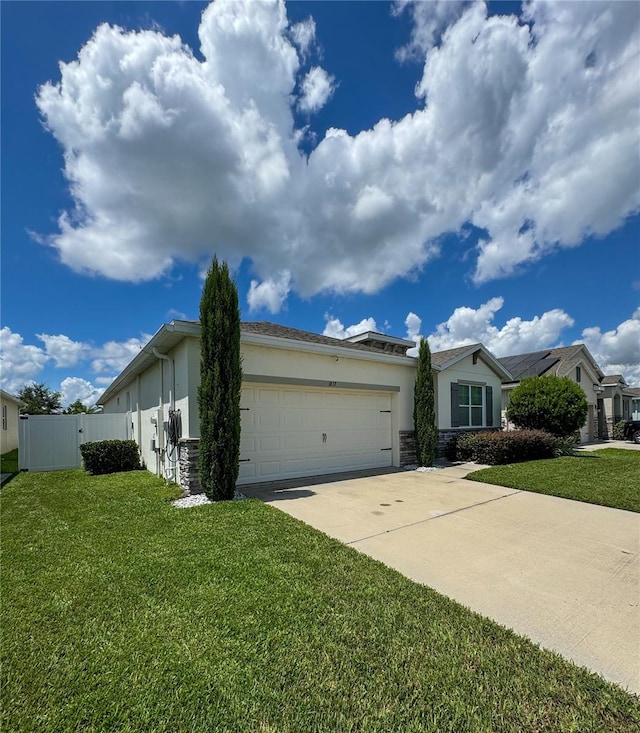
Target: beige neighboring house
{"type": "Point", "coordinates": [574, 362]}
{"type": "Point", "coordinates": [619, 402]}
{"type": "Point", "coordinates": [10, 416]}
{"type": "Point", "coordinates": [310, 404]}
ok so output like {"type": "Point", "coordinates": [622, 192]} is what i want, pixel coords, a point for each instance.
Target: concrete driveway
{"type": "Point", "coordinates": [563, 573]}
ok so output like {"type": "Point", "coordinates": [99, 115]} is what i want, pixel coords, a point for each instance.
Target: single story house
{"type": "Point", "coordinates": [10, 416]}
{"type": "Point", "coordinates": [310, 404]}
{"type": "Point", "coordinates": [574, 362]}
{"type": "Point", "coordinates": [619, 402]}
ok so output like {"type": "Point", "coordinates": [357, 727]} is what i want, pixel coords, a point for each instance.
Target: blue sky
{"type": "Point", "coordinates": [458, 171]}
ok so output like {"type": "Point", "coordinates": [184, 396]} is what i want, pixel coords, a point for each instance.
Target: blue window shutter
{"type": "Point", "coordinates": [489, 400]}
{"type": "Point", "coordinates": [455, 405]}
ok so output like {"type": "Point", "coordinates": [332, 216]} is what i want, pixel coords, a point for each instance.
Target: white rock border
{"type": "Point", "coordinates": [186, 502]}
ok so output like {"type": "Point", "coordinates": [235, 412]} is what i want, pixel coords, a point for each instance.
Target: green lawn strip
{"type": "Point", "coordinates": [9, 462]}
{"type": "Point", "coordinates": [120, 612]}
{"type": "Point", "coordinates": [609, 477]}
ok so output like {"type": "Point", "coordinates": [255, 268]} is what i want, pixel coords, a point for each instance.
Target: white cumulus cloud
{"type": "Point", "coordinates": [471, 325]}
{"type": "Point", "coordinates": [76, 388]}
{"type": "Point", "coordinates": [304, 35]}
{"type": "Point", "coordinates": [617, 351]}
{"type": "Point", "coordinates": [169, 157]}
{"type": "Point", "coordinates": [270, 294]}
{"type": "Point", "coordinates": [64, 351]}
{"type": "Point", "coordinates": [19, 362]}
{"type": "Point", "coordinates": [22, 363]}
{"type": "Point", "coordinates": [335, 328]}
{"type": "Point", "coordinates": [317, 88]}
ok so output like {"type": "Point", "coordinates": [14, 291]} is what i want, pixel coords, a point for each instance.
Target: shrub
{"type": "Point", "coordinates": [618, 430]}
{"type": "Point", "coordinates": [110, 456]}
{"type": "Point", "coordinates": [555, 404]}
{"type": "Point", "coordinates": [514, 446]}
{"type": "Point", "coordinates": [464, 447]}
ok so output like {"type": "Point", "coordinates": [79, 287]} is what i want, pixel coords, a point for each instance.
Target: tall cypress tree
{"type": "Point", "coordinates": [424, 408]}
{"type": "Point", "coordinates": [220, 384]}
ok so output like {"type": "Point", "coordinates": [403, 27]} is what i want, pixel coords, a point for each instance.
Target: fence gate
{"type": "Point", "coordinates": [52, 442]}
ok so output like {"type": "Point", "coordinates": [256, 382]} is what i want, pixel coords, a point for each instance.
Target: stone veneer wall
{"type": "Point", "coordinates": [408, 448]}
{"type": "Point", "coordinates": [188, 464]}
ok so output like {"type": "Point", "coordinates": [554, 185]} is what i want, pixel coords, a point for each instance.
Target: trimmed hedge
{"type": "Point", "coordinates": [499, 447]}
{"type": "Point", "coordinates": [110, 456]}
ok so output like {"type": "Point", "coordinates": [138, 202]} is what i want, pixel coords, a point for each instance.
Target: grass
{"type": "Point", "coordinates": [609, 477]}
{"type": "Point", "coordinates": [122, 613]}
{"type": "Point", "coordinates": [9, 462]}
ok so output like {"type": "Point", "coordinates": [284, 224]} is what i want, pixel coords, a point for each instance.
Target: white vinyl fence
{"type": "Point", "coordinates": [52, 442]}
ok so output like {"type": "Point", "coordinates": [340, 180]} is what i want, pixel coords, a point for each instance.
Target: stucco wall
{"type": "Point", "coordinates": [465, 371]}
{"type": "Point", "coordinates": [150, 402]}
{"type": "Point", "coordinates": [257, 360]}
{"type": "Point", "coordinates": [9, 437]}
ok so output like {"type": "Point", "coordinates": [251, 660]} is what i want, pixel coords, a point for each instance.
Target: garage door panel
{"type": "Point", "coordinates": [289, 432]}
{"type": "Point", "coordinates": [247, 444]}
{"type": "Point", "coordinates": [293, 441]}
{"type": "Point", "coordinates": [268, 396]}
{"type": "Point", "coordinates": [270, 443]}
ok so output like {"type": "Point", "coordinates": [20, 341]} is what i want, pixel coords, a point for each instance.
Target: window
{"type": "Point", "coordinates": [471, 407]}
{"type": "Point", "coordinates": [578, 374]}
{"type": "Point", "coordinates": [4, 417]}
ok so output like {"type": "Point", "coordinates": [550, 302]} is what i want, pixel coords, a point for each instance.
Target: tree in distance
{"type": "Point", "coordinates": [39, 400]}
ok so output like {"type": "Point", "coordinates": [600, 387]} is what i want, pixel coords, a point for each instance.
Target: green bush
{"type": "Point", "coordinates": [618, 430]}
{"type": "Point", "coordinates": [554, 404]}
{"type": "Point", "coordinates": [464, 447]}
{"type": "Point", "coordinates": [513, 446]}
{"type": "Point", "coordinates": [110, 456]}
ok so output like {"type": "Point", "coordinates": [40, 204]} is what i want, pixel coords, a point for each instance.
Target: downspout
{"type": "Point", "coordinates": [172, 389]}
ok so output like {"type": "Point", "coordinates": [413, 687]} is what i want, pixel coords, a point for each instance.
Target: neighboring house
{"type": "Point", "coordinates": [10, 416]}
{"type": "Point", "coordinates": [310, 404]}
{"type": "Point", "coordinates": [574, 362]}
{"type": "Point", "coordinates": [619, 402]}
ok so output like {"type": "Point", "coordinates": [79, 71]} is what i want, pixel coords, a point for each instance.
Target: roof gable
{"type": "Point", "coordinates": [442, 360]}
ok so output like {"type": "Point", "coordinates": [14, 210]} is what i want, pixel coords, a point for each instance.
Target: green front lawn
{"type": "Point", "coordinates": [121, 613]}
{"type": "Point", "coordinates": [610, 477]}
{"type": "Point", "coordinates": [9, 462]}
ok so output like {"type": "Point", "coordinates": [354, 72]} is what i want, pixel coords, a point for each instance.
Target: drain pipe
{"type": "Point", "coordinates": [172, 389]}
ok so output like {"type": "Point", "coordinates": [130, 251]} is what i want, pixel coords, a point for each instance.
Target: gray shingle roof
{"type": "Point", "coordinates": [610, 379]}
{"type": "Point", "coordinates": [266, 328]}
{"type": "Point", "coordinates": [442, 357]}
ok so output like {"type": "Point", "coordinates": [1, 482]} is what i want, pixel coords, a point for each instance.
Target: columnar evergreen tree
{"type": "Point", "coordinates": [424, 408]}
{"type": "Point", "coordinates": [220, 384]}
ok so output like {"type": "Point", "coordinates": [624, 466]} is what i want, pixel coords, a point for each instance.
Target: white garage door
{"type": "Point", "coordinates": [291, 432]}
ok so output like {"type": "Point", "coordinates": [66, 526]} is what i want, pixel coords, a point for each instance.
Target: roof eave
{"type": "Point", "coordinates": [338, 350]}
{"type": "Point", "coordinates": [161, 339]}
{"type": "Point", "coordinates": [479, 348]}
